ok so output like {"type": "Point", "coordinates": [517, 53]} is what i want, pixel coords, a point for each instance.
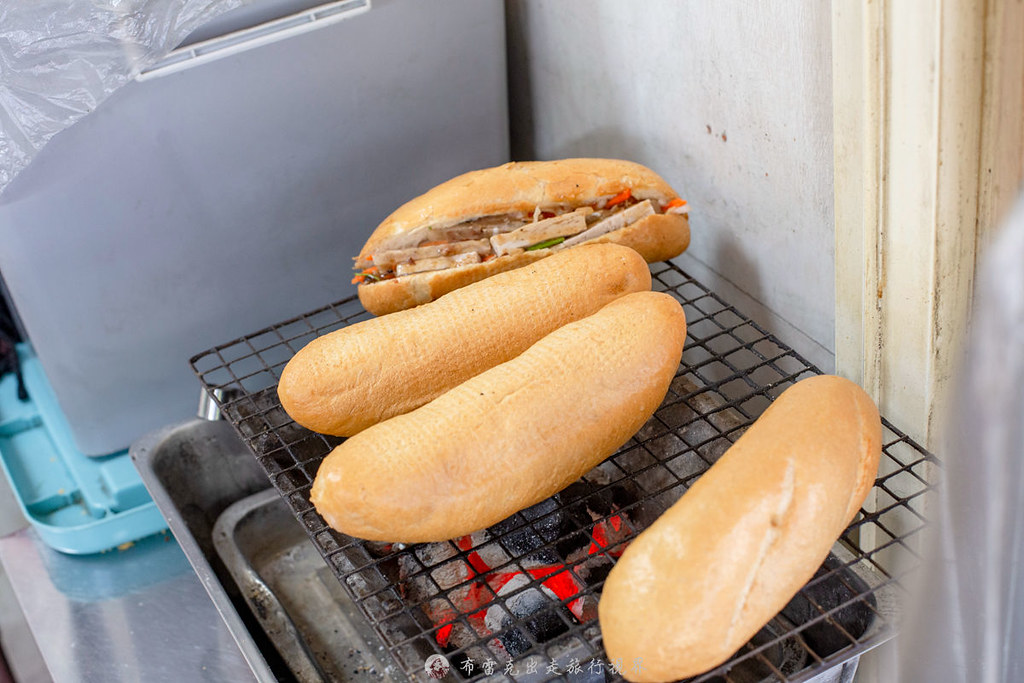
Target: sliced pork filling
{"type": "Point", "coordinates": [489, 237]}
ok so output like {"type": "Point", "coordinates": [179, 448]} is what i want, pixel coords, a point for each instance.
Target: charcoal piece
{"type": "Point", "coordinates": [430, 554]}
{"type": "Point", "coordinates": [574, 491]}
{"type": "Point", "coordinates": [391, 564]}
{"type": "Point", "coordinates": [511, 638]}
{"type": "Point", "coordinates": [461, 636]}
{"type": "Point", "coordinates": [531, 538]}
{"type": "Point", "coordinates": [574, 545]}
{"type": "Point", "coordinates": [603, 502]}
{"type": "Point", "coordinates": [514, 642]}
{"type": "Point", "coordinates": [527, 602]}
{"type": "Point", "coordinates": [536, 612]}
{"type": "Point", "coordinates": [547, 517]}
{"type": "Point", "coordinates": [828, 592]}
{"type": "Point", "coordinates": [492, 555]}
{"type": "Point", "coordinates": [594, 570]}
{"type": "Point", "coordinates": [546, 625]}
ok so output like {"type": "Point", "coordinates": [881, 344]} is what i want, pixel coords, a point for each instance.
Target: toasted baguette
{"type": "Point", "coordinates": [345, 381]}
{"type": "Point", "coordinates": [727, 556]}
{"type": "Point", "coordinates": [511, 436]}
{"type": "Point", "coordinates": [515, 187]}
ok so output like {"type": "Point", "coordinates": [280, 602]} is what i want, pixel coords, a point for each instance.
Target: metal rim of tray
{"type": "Point", "coordinates": [731, 370]}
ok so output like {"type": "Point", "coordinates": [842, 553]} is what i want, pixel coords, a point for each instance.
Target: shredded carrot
{"type": "Point", "coordinates": [674, 203]}
{"type": "Point", "coordinates": [489, 257]}
{"type": "Point", "coordinates": [362, 277]}
{"type": "Point", "coordinates": [369, 257]}
{"type": "Point", "coordinates": [619, 198]}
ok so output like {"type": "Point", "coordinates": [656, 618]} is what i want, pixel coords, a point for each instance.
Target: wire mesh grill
{"type": "Point", "coordinates": [518, 601]}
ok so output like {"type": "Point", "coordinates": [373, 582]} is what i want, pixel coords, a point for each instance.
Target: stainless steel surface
{"type": "Point", "coordinates": [138, 614]}
{"type": "Point", "coordinates": [194, 471]}
{"type": "Point", "coordinates": [209, 406]}
{"type": "Point", "coordinates": [299, 602]}
{"type": "Point", "coordinates": [19, 645]}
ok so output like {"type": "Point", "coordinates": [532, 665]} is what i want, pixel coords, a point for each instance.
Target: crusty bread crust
{"type": "Point", "coordinates": [656, 238]}
{"type": "Point", "coordinates": [511, 436]}
{"type": "Point", "coordinates": [359, 375]}
{"type": "Point", "coordinates": [515, 186]}
{"type": "Point", "coordinates": [400, 293]}
{"type": "Point", "coordinates": [727, 556]}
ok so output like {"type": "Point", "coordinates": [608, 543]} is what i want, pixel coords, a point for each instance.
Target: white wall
{"type": "Point", "coordinates": [731, 102]}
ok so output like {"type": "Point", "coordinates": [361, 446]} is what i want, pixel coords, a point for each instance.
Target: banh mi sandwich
{"type": "Point", "coordinates": [354, 377]}
{"type": "Point", "coordinates": [715, 567]}
{"type": "Point", "coordinates": [496, 219]}
{"type": "Point", "coordinates": [511, 436]}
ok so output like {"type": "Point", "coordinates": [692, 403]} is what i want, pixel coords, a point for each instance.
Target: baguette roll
{"type": "Point", "coordinates": [730, 554]}
{"type": "Point", "coordinates": [511, 436]}
{"type": "Point", "coordinates": [459, 231]}
{"type": "Point", "coordinates": [345, 381]}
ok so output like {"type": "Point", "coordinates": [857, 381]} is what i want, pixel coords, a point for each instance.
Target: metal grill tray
{"type": "Point", "coordinates": [524, 592]}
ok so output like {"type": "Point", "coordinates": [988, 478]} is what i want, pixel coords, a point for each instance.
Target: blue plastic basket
{"type": "Point", "coordinates": [78, 504]}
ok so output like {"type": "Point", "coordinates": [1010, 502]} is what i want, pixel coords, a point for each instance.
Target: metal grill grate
{"type": "Point", "coordinates": [518, 601]}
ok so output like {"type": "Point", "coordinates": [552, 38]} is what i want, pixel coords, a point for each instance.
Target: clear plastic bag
{"type": "Point", "coordinates": [59, 59]}
{"type": "Point", "coordinates": [966, 624]}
